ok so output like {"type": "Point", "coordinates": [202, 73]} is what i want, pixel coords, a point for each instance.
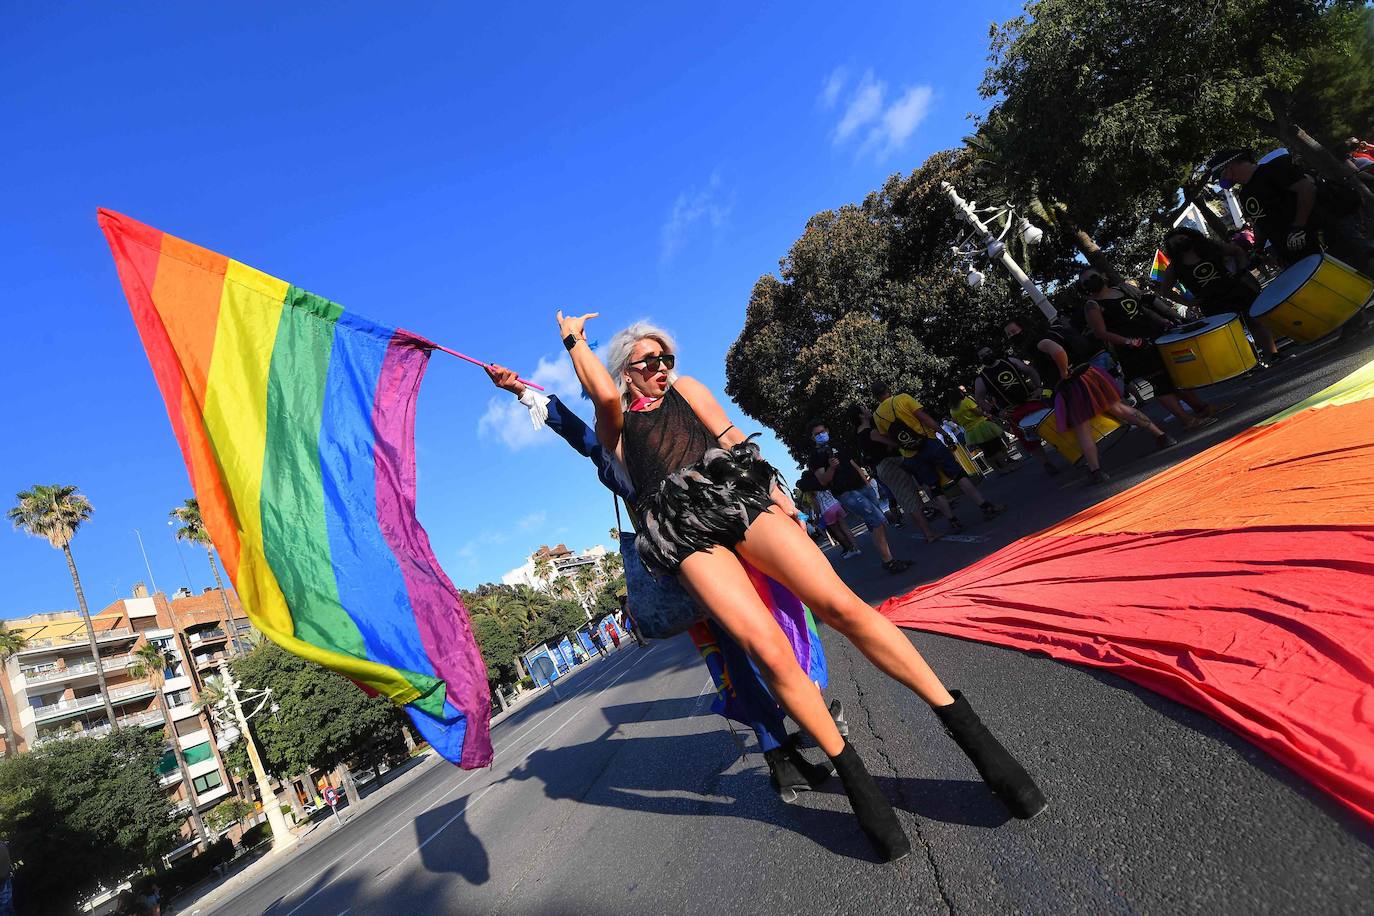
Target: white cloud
{"type": "Point", "coordinates": [885, 126]}
{"type": "Point", "coordinates": [467, 554]}
{"type": "Point", "coordinates": [865, 104]}
{"type": "Point", "coordinates": [506, 419]}
{"type": "Point", "coordinates": [834, 85]}
{"type": "Point", "coordinates": [532, 521]}
{"type": "Point", "coordinates": [691, 207]}
{"type": "Point", "coordinates": [900, 120]}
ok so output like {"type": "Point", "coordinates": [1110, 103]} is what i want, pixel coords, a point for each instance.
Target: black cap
{"type": "Point", "coordinates": [1222, 158]}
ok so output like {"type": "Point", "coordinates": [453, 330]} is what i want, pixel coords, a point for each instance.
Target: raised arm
{"type": "Point", "coordinates": [596, 381]}
{"type": "Point", "coordinates": [1056, 353]}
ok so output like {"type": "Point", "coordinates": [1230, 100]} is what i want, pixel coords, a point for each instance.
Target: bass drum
{"type": "Point", "coordinates": [1042, 424]}
{"type": "Point", "coordinates": [1208, 351]}
{"type": "Point", "coordinates": [1312, 298]}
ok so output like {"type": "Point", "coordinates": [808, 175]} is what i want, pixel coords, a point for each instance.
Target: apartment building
{"type": "Point", "coordinates": [52, 692]}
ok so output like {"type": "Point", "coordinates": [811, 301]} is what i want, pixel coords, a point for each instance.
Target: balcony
{"type": "Point", "coordinates": [74, 706]}
{"type": "Point", "coordinates": [206, 636]}
{"type": "Point", "coordinates": [74, 639]}
{"type": "Point", "coordinates": [145, 719]}
{"type": "Point", "coordinates": [51, 673]}
{"type": "Point", "coordinates": [209, 660]}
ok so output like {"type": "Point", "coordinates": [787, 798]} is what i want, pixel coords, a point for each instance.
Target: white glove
{"type": "Point", "coordinates": [538, 405]}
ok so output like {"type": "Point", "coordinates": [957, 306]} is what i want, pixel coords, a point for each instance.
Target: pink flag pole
{"type": "Point", "coordinates": [478, 362]}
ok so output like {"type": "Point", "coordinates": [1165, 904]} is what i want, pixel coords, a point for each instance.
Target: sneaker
{"type": "Point", "coordinates": [1098, 476]}
{"type": "Point", "coordinates": [992, 510]}
{"type": "Point", "coordinates": [895, 565]}
{"type": "Point", "coordinates": [1164, 440]}
{"type": "Point", "coordinates": [955, 526]}
{"type": "Point", "coordinates": [850, 554]}
{"type": "Point", "coordinates": [837, 713]}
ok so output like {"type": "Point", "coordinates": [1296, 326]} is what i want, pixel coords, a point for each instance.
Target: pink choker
{"type": "Point", "coordinates": [642, 403]}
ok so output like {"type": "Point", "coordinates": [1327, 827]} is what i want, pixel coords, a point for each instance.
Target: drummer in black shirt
{"type": "Point", "coordinates": [1295, 214]}
{"type": "Point", "coordinates": [1123, 318]}
{"type": "Point", "coordinates": [1199, 263]}
{"type": "Point", "coordinates": [1007, 387]}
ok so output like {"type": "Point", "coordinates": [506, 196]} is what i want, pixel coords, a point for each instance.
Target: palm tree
{"type": "Point", "coordinates": [543, 569]}
{"type": "Point", "coordinates": [11, 641]}
{"type": "Point", "coordinates": [587, 579]}
{"type": "Point", "coordinates": [191, 528]}
{"type": "Point", "coordinates": [55, 513]}
{"type": "Point", "coordinates": [152, 662]}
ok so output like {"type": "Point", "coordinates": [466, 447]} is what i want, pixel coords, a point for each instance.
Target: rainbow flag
{"type": "Point", "coordinates": [1238, 582]}
{"type": "Point", "coordinates": [1157, 269]}
{"type": "Point", "coordinates": [296, 422]}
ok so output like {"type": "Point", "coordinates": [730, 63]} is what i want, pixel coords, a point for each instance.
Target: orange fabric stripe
{"type": "Point", "coordinates": [192, 278]}
{"type": "Point", "coordinates": [1286, 477]}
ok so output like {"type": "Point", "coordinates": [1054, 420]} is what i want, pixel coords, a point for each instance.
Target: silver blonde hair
{"type": "Point", "coordinates": [618, 353]}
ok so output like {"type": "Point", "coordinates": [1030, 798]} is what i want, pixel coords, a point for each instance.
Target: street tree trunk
{"type": "Point", "coordinates": [230, 629]}
{"type": "Point", "coordinates": [171, 731]}
{"type": "Point", "coordinates": [295, 800]}
{"type": "Point", "coordinates": [90, 636]}
{"type": "Point", "coordinates": [1319, 157]}
{"type": "Point", "coordinates": [349, 786]}
{"type": "Point", "coordinates": [5, 719]}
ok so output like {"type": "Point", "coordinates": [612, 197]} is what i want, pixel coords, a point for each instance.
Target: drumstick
{"type": "Point", "coordinates": [478, 362]}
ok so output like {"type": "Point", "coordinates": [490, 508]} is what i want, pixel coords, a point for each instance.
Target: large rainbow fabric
{"type": "Point", "coordinates": [1239, 582]}
{"type": "Point", "coordinates": [296, 422]}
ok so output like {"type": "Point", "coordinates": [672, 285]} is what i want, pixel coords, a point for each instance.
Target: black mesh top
{"type": "Point", "coordinates": [661, 441]}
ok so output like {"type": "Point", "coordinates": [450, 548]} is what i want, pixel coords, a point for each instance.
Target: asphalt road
{"type": "Point", "coordinates": [627, 796]}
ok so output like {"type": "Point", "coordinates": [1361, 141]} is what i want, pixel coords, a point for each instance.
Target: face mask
{"type": "Point", "coordinates": [822, 438]}
{"type": "Point", "coordinates": [1094, 283]}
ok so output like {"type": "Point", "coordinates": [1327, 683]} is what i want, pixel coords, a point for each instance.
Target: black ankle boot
{"type": "Point", "coordinates": [791, 773]}
{"type": "Point", "coordinates": [999, 769]}
{"type": "Point", "coordinates": [876, 817]}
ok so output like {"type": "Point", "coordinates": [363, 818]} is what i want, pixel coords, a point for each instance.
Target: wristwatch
{"type": "Point", "coordinates": [570, 341]}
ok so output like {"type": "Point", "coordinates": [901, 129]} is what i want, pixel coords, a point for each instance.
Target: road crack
{"type": "Point", "coordinates": [891, 765]}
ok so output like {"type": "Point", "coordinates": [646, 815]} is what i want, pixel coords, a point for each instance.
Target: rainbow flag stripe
{"type": "Point", "coordinates": [1237, 582]}
{"type": "Point", "coordinates": [296, 422]}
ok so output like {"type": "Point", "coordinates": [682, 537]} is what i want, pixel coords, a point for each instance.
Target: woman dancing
{"type": "Point", "coordinates": [706, 495]}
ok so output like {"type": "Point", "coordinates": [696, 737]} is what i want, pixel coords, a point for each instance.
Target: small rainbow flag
{"type": "Point", "coordinates": [1237, 582]}
{"type": "Point", "coordinates": [296, 422]}
{"type": "Point", "coordinates": [1157, 269]}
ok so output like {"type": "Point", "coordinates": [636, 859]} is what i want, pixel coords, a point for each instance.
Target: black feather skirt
{"type": "Point", "coordinates": [710, 504]}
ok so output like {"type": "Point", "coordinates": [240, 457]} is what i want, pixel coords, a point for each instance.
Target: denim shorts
{"type": "Point", "coordinates": [861, 503]}
{"type": "Point", "coordinates": [932, 458]}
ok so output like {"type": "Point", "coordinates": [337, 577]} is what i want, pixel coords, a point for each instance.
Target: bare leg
{"type": "Point", "coordinates": [1171, 404]}
{"type": "Point", "coordinates": [1088, 445]}
{"type": "Point", "coordinates": [840, 532]}
{"type": "Point", "coordinates": [1194, 401]}
{"type": "Point", "coordinates": [966, 484]}
{"type": "Point", "coordinates": [718, 581]}
{"type": "Point", "coordinates": [1128, 414]}
{"type": "Point", "coordinates": [880, 539]}
{"type": "Point", "coordinates": [777, 547]}
{"type": "Point", "coordinates": [1264, 337]}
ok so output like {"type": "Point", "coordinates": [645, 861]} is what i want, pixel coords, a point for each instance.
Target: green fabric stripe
{"type": "Point", "coordinates": [294, 529]}
{"type": "Point", "coordinates": [293, 525]}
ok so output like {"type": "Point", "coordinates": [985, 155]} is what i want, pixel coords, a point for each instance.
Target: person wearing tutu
{"type": "Point", "coordinates": [1083, 391]}
{"type": "Point", "coordinates": [707, 499]}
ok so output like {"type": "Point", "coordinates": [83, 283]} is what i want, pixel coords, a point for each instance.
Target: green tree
{"type": "Point", "coordinates": [152, 661]}
{"type": "Point", "coordinates": [1144, 90]}
{"type": "Point", "coordinates": [322, 721]}
{"type": "Point", "coordinates": [227, 813]}
{"type": "Point", "coordinates": [11, 641]}
{"type": "Point", "coordinates": [191, 528]}
{"type": "Point", "coordinates": [54, 513]}
{"type": "Point", "coordinates": [81, 813]}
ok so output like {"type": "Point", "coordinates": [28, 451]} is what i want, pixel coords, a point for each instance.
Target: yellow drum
{"type": "Point", "coordinates": [1312, 298]}
{"type": "Point", "coordinates": [1208, 351]}
{"type": "Point", "coordinates": [1042, 423]}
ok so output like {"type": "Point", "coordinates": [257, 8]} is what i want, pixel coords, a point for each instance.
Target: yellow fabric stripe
{"type": "Point", "coordinates": [236, 420]}
{"type": "Point", "coordinates": [1357, 386]}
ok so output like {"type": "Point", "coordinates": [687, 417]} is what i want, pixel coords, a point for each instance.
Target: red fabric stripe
{"type": "Point", "coordinates": [1270, 631]}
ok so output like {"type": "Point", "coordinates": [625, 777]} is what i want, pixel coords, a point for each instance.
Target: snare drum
{"type": "Point", "coordinates": [1312, 298]}
{"type": "Point", "coordinates": [1206, 352]}
{"type": "Point", "coordinates": [1042, 421]}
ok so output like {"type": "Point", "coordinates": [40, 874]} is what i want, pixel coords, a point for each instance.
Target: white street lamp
{"type": "Point", "coordinates": [282, 836]}
{"type": "Point", "coordinates": [997, 250]}
{"type": "Point", "coordinates": [975, 277]}
{"type": "Point", "coordinates": [1031, 235]}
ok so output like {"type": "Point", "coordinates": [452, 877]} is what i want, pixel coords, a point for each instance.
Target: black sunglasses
{"type": "Point", "coordinates": [652, 363]}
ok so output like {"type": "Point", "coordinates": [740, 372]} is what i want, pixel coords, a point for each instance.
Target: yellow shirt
{"type": "Point", "coordinates": [901, 408]}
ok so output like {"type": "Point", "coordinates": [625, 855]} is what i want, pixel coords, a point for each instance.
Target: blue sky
{"type": "Point", "coordinates": [457, 171]}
